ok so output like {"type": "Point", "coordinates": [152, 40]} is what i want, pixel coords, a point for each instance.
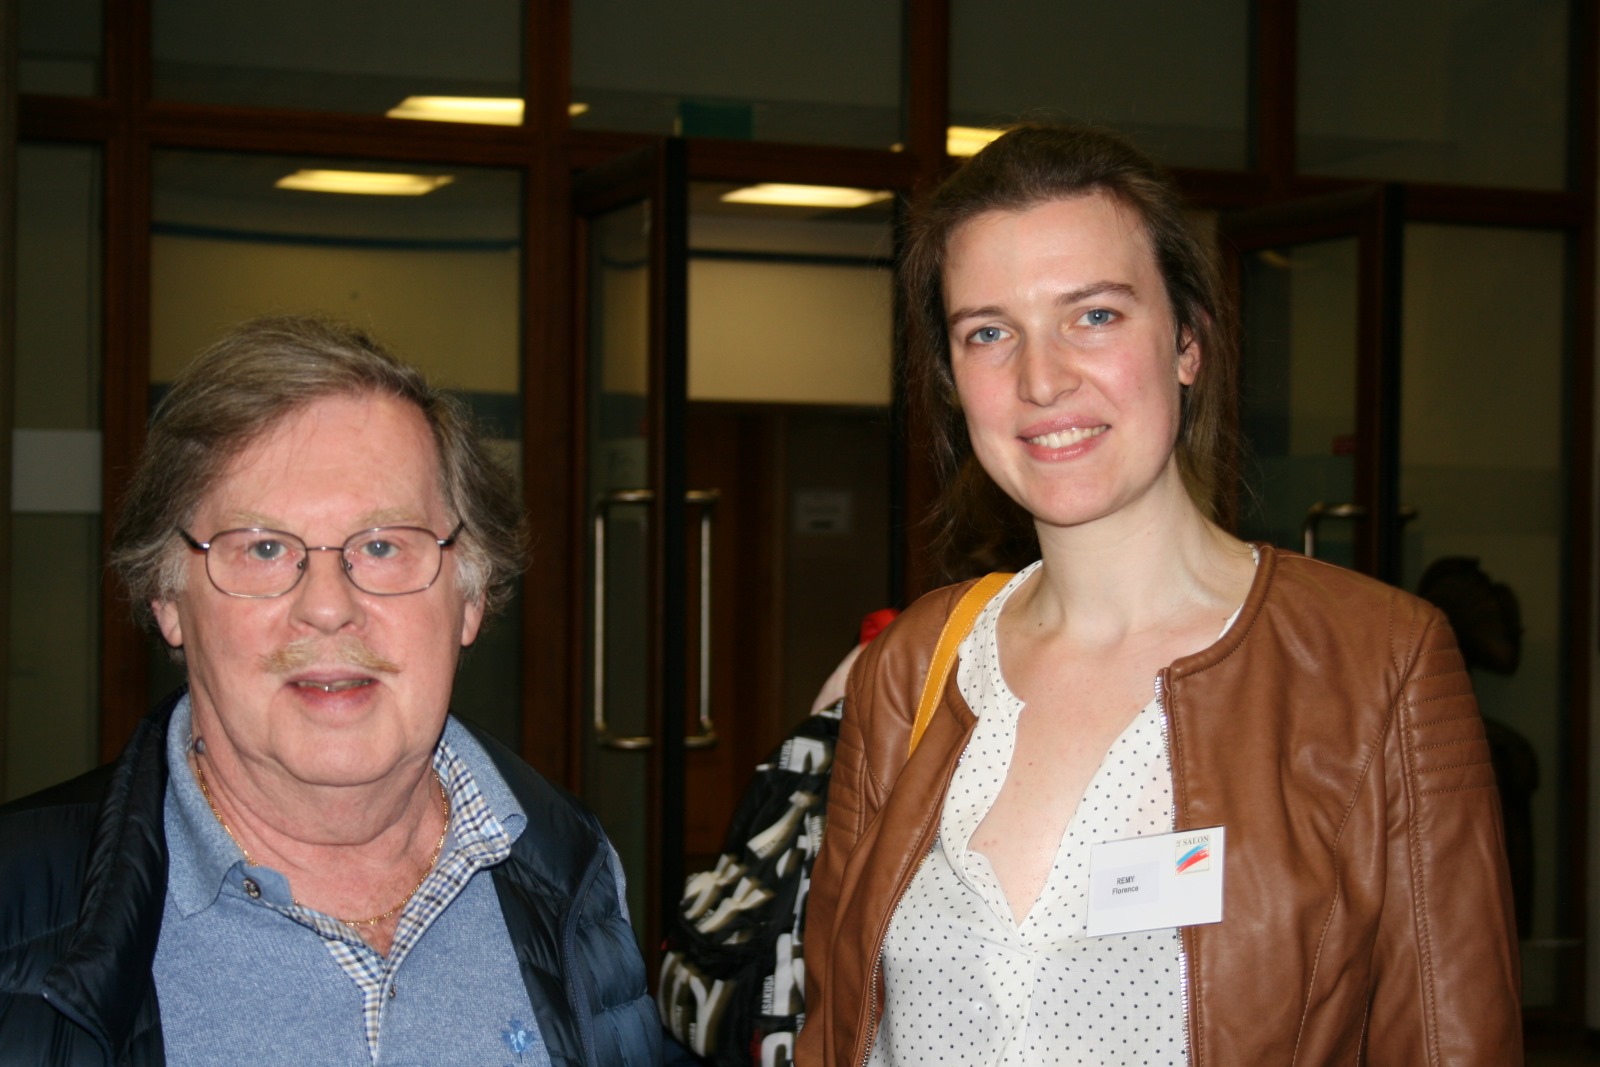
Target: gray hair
{"type": "Point", "coordinates": [246, 384]}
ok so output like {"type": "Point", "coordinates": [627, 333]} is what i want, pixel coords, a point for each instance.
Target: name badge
{"type": "Point", "coordinates": [1149, 883]}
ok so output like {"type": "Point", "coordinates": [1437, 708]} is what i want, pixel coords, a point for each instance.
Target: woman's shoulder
{"type": "Point", "coordinates": [1298, 579]}
{"type": "Point", "coordinates": [1333, 603]}
{"type": "Point", "coordinates": [888, 676]}
{"type": "Point", "coordinates": [916, 631]}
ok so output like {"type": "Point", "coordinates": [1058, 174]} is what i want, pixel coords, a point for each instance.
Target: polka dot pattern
{"type": "Point", "coordinates": [966, 983]}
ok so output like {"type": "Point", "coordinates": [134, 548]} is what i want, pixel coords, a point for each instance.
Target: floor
{"type": "Point", "coordinates": [1548, 1051]}
{"type": "Point", "coordinates": [1548, 1058]}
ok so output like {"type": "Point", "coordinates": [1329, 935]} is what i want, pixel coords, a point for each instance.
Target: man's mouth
{"type": "Point", "coordinates": [336, 687]}
{"type": "Point", "coordinates": [1064, 438]}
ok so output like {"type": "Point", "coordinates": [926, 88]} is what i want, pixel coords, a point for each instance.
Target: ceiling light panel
{"type": "Point", "coordinates": [967, 140]}
{"type": "Point", "coordinates": [829, 196]}
{"type": "Point", "coordinates": [363, 183]}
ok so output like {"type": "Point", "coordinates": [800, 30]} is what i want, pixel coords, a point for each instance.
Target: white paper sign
{"type": "Point", "coordinates": [1149, 883]}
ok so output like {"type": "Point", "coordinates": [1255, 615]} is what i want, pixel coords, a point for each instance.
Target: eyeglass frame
{"type": "Point", "coordinates": [347, 568]}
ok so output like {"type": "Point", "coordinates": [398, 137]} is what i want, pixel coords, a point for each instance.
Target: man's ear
{"type": "Point", "coordinates": [471, 621]}
{"type": "Point", "coordinates": [169, 620]}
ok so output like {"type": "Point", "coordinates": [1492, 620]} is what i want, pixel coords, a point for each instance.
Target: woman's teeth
{"type": "Point", "coordinates": [1067, 437]}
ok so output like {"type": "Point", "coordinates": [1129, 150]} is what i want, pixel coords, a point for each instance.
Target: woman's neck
{"type": "Point", "coordinates": [1125, 574]}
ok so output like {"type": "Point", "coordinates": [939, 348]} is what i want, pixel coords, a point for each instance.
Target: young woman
{"type": "Point", "coordinates": [1295, 747]}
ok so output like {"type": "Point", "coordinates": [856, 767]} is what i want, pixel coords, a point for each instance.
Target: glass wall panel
{"type": "Point", "coordinates": [619, 490]}
{"type": "Point", "coordinates": [1470, 93]}
{"type": "Point", "coordinates": [436, 277]}
{"type": "Point", "coordinates": [828, 72]}
{"type": "Point", "coordinates": [58, 47]}
{"type": "Point", "coordinates": [1483, 464]}
{"type": "Point", "coordinates": [343, 55]}
{"type": "Point", "coordinates": [1174, 77]}
{"type": "Point", "coordinates": [1298, 395]}
{"type": "Point", "coordinates": [52, 729]}
{"type": "Point", "coordinates": [790, 341]}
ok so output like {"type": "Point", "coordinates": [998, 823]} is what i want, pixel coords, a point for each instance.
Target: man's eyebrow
{"type": "Point", "coordinates": [392, 517]}
{"type": "Point", "coordinates": [1071, 296]}
{"type": "Point", "coordinates": [250, 520]}
{"type": "Point", "coordinates": [380, 517]}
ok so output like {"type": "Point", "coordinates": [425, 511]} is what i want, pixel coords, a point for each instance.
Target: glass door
{"type": "Point", "coordinates": [736, 490]}
{"type": "Point", "coordinates": [1318, 284]}
{"type": "Point", "coordinates": [1486, 460]}
{"type": "Point", "coordinates": [1427, 449]}
{"type": "Point", "coordinates": [633, 283]}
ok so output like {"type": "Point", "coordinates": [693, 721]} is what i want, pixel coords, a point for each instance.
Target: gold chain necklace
{"type": "Point", "coordinates": [200, 776]}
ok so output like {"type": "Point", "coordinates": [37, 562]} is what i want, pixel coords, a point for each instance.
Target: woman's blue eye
{"type": "Point", "coordinates": [1099, 316]}
{"type": "Point", "coordinates": [988, 335]}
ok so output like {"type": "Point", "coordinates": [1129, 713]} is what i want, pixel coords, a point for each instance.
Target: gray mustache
{"type": "Point", "coordinates": [319, 652]}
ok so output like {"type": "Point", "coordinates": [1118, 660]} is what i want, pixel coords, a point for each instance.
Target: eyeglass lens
{"type": "Point", "coordinates": [263, 563]}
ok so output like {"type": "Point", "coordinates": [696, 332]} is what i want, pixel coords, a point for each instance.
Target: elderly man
{"type": "Point", "coordinates": [303, 858]}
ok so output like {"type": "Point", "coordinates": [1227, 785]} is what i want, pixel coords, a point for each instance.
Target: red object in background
{"type": "Point", "coordinates": [873, 625]}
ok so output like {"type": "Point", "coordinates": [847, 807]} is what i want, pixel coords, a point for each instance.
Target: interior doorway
{"type": "Point", "coordinates": [738, 493]}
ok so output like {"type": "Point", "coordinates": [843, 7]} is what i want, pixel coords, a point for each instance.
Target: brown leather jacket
{"type": "Point", "coordinates": [1366, 914]}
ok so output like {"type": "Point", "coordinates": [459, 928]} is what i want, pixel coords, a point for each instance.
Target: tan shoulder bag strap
{"type": "Point", "coordinates": [956, 628]}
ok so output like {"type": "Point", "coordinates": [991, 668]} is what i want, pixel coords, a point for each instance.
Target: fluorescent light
{"type": "Point", "coordinates": [967, 140]}
{"type": "Point", "coordinates": [361, 182]}
{"type": "Point", "coordinates": [486, 110]}
{"type": "Point", "coordinates": [805, 195]}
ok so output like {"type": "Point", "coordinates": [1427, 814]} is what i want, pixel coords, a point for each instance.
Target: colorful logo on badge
{"type": "Point", "coordinates": [1194, 854]}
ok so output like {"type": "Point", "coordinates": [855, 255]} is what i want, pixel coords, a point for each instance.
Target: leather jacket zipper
{"type": "Point", "coordinates": [877, 964]}
{"type": "Point", "coordinates": [1183, 952]}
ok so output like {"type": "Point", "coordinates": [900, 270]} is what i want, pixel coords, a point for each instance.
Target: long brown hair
{"type": "Point", "coordinates": [1027, 166]}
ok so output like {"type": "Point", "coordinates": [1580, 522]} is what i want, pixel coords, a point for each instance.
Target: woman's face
{"type": "Point", "coordinates": [1062, 342]}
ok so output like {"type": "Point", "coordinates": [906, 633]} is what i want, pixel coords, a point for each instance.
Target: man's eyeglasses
{"type": "Point", "coordinates": [384, 561]}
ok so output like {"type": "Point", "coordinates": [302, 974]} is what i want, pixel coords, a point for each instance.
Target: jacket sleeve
{"type": "Point", "coordinates": [879, 705]}
{"type": "Point", "coordinates": [850, 803]}
{"type": "Point", "coordinates": [1446, 986]}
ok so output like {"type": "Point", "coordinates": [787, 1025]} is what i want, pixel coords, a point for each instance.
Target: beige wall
{"type": "Point", "coordinates": [762, 332]}
{"type": "Point", "coordinates": [455, 314]}
{"type": "Point", "coordinates": [759, 331]}
{"type": "Point", "coordinates": [789, 332]}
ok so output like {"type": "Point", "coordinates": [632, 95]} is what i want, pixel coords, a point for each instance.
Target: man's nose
{"type": "Point", "coordinates": [325, 597]}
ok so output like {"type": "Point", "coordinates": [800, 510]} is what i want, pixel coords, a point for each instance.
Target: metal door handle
{"type": "Point", "coordinates": [707, 735]}
{"type": "Point", "coordinates": [602, 511]}
{"type": "Point", "coordinates": [1320, 510]}
{"type": "Point", "coordinates": [707, 499]}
